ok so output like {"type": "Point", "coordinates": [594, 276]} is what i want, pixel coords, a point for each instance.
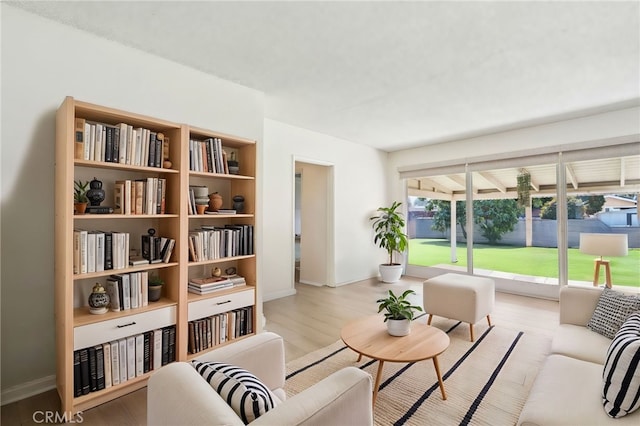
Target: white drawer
{"type": "Point", "coordinates": [107, 331]}
{"type": "Point", "coordinates": [216, 305]}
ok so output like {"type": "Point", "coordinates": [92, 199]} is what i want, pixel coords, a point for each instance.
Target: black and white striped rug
{"type": "Point", "coordinates": [487, 381]}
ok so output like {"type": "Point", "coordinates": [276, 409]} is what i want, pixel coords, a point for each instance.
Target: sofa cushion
{"type": "Point", "coordinates": [566, 392]}
{"type": "Point", "coordinates": [621, 377]}
{"type": "Point", "coordinates": [612, 310]}
{"type": "Point", "coordinates": [248, 397]}
{"type": "Point", "coordinates": [579, 342]}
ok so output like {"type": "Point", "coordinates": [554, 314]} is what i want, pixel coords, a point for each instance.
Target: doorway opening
{"type": "Point", "coordinates": [313, 223]}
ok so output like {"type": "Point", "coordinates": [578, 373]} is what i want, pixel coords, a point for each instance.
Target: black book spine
{"type": "Point", "coordinates": [116, 144]}
{"type": "Point", "coordinates": [146, 247]}
{"type": "Point", "coordinates": [93, 370]}
{"type": "Point", "coordinates": [77, 374]}
{"type": "Point", "coordinates": [108, 149]}
{"type": "Point", "coordinates": [152, 150]}
{"type": "Point", "coordinates": [100, 384]}
{"type": "Point", "coordinates": [85, 374]}
{"type": "Point", "coordinates": [159, 153]}
{"type": "Point", "coordinates": [108, 250]}
{"type": "Point", "coordinates": [172, 343]}
{"type": "Point", "coordinates": [147, 352]}
{"type": "Point", "coordinates": [165, 346]}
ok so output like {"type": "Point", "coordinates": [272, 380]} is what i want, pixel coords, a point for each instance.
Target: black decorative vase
{"type": "Point", "coordinates": [96, 193]}
{"type": "Point", "coordinates": [238, 203]}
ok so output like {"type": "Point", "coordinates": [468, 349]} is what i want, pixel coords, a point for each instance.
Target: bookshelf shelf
{"type": "Point", "coordinates": [76, 328]}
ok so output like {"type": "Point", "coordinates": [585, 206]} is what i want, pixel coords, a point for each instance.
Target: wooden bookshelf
{"type": "Point", "coordinates": [74, 323]}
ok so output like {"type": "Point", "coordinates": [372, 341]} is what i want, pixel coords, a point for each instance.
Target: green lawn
{"type": "Point", "coordinates": [536, 261]}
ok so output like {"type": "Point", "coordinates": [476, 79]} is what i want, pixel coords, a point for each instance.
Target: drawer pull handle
{"type": "Point", "coordinates": [126, 325]}
{"type": "Point", "coordinates": [222, 303]}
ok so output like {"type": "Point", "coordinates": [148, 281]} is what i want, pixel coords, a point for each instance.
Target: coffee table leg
{"type": "Point", "coordinates": [435, 364]}
{"type": "Point", "coordinates": [377, 384]}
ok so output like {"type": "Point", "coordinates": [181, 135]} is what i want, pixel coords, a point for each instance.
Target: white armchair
{"type": "Point", "coordinates": [178, 395]}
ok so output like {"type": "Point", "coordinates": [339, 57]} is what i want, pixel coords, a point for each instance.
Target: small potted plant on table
{"type": "Point", "coordinates": [399, 312]}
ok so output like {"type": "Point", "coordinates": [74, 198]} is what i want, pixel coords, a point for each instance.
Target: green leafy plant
{"type": "Point", "coordinates": [80, 191]}
{"type": "Point", "coordinates": [398, 307]}
{"type": "Point", "coordinates": [388, 227]}
{"type": "Point", "coordinates": [155, 280]}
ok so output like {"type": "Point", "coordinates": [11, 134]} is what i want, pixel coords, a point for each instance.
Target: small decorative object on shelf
{"type": "Point", "coordinates": [216, 272]}
{"type": "Point", "coordinates": [166, 163]}
{"type": "Point", "coordinates": [96, 193]}
{"type": "Point", "coordinates": [232, 163]}
{"type": "Point", "coordinates": [215, 202]}
{"type": "Point", "coordinates": [80, 199]}
{"type": "Point", "coordinates": [155, 288]}
{"type": "Point", "coordinates": [99, 300]}
{"type": "Point", "coordinates": [238, 203]}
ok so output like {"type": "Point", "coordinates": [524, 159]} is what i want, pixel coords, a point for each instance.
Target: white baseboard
{"type": "Point", "coordinates": [26, 390]}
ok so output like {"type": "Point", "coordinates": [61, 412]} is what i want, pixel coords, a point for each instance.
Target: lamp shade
{"type": "Point", "coordinates": [604, 244]}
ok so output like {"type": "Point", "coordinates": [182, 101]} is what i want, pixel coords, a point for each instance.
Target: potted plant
{"type": "Point", "coordinates": [80, 199]}
{"type": "Point", "coordinates": [155, 288]}
{"type": "Point", "coordinates": [388, 227]}
{"type": "Point", "coordinates": [398, 312]}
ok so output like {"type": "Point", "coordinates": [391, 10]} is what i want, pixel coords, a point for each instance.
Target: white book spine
{"type": "Point", "coordinates": [115, 363]}
{"type": "Point", "coordinates": [83, 252]}
{"type": "Point", "coordinates": [122, 356]}
{"type": "Point", "coordinates": [126, 292]}
{"type": "Point", "coordinates": [131, 357]}
{"type": "Point", "coordinates": [134, 291]}
{"type": "Point", "coordinates": [139, 355]}
{"type": "Point", "coordinates": [157, 349]}
{"type": "Point", "coordinates": [99, 252]}
{"type": "Point", "coordinates": [91, 252]}
{"type": "Point", "coordinates": [106, 350]}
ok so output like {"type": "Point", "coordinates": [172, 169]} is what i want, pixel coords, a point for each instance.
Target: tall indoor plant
{"type": "Point", "coordinates": [388, 226]}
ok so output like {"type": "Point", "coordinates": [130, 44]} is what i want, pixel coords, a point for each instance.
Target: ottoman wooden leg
{"type": "Point", "coordinates": [489, 320]}
{"type": "Point", "coordinates": [430, 318]}
{"type": "Point", "coordinates": [471, 331]}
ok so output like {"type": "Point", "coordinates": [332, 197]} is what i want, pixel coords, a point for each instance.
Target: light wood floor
{"type": "Point", "coordinates": [307, 321]}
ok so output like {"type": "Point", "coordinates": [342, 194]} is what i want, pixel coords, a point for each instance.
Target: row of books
{"type": "Point", "coordinates": [113, 363]}
{"type": "Point", "coordinates": [213, 284]}
{"type": "Point", "coordinates": [207, 156]}
{"type": "Point", "coordinates": [128, 291]}
{"type": "Point", "coordinates": [208, 332]}
{"type": "Point", "coordinates": [140, 196]}
{"type": "Point", "coordinates": [122, 143]}
{"type": "Point", "coordinates": [97, 251]}
{"type": "Point", "coordinates": [156, 249]}
{"type": "Point", "coordinates": [211, 242]}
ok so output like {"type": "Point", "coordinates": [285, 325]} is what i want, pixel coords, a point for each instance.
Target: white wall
{"type": "Point", "coordinates": [360, 188]}
{"type": "Point", "coordinates": [42, 62]}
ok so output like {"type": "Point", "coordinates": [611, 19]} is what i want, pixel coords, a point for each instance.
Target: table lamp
{"type": "Point", "coordinates": [610, 245]}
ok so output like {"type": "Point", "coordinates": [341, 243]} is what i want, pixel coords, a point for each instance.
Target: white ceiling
{"type": "Point", "coordinates": [393, 75]}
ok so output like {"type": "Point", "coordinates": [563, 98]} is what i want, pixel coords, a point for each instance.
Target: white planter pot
{"type": "Point", "coordinates": [398, 327]}
{"type": "Point", "coordinates": [390, 273]}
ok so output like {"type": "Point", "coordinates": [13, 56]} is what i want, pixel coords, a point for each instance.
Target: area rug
{"type": "Point", "coordinates": [486, 381]}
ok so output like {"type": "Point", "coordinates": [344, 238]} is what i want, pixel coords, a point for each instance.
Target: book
{"type": "Point", "coordinates": [157, 349]}
{"type": "Point", "coordinates": [85, 374]}
{"type": "Point", "coordinates": [122, 357]}
{"type": "Point", "coordinates": [100, 251]}
{"type": "Point", "coordinates": [147, 351]}
{"type": "Point", "coordinates": [93, 370]}
{"type": "Point", "coordinates": [112, 287]}
{"type": "Point", "coordinates": [115, 363]}
{"type": "Point", "coordinates": [131, 357]}
{"type": "Point", "coordinates": [106, 349]}
{"type": "Point", "coordinates": [139, 349]}
{"type": "Point", "coordinates": [77, 374]}
{"type": "Point", "coordinates": [91, 252]}
{"type": "Point", "coordinates": [78, 145]}
{"type": "Point", "coordinates": [100, 380]}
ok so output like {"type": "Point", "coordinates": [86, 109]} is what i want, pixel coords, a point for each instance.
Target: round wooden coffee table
{"type": "Point", "coordinates": [368, 336]}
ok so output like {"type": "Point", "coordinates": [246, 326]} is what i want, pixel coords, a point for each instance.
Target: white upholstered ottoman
{"type": "Point", "coordinates": [461, 297]}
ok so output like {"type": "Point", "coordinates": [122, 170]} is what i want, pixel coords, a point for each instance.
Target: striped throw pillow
{"type": "Point", "coordinates": [612, 309]}
{"type": "Point", "coordinates": [621, 376]}
{"type": "Point", "coordinates": [243, 391]}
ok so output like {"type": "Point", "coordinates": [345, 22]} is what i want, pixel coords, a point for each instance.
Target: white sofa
{"type": "Point", "coordinates": [178, 395]}
{"type": "Point", "coordinates": [567, 390]}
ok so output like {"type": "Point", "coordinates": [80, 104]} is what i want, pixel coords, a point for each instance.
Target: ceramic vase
{"type": "Point", "coordinates": [99, 300]}
{"type": "Point", "coordinates": [398, 327]}
{"type": "Point", "coordinates": [215, 202]}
